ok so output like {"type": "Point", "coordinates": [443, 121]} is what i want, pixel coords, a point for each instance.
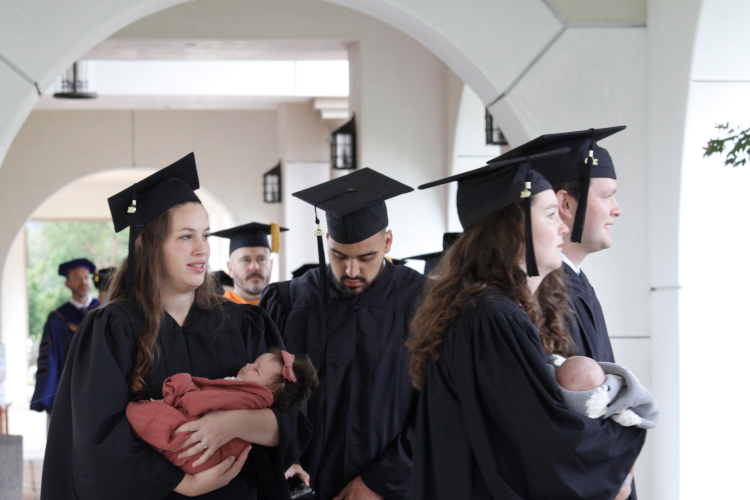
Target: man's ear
{"type": "Point", "coordinates": [67, 284]}
{"type": "Point", "coordinates": [568, 205]}
{"type": "Point", "coordinates": [388, 240]}
{"type": "Point", "coordinates": [229, 266]}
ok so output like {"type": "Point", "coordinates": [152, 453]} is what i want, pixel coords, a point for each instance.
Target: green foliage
{"type": "Point", "coordinates": [734, 137]}
{"type": "Point", "coordinates": [51, 243]}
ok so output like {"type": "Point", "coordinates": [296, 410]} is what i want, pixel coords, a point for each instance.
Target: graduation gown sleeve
{"type": "Point", "coordinates": [50, 363]}
{"type": "Point", "coordinates": [271, 301]}
{"type": "Point", "coordinates": [491, 423]}
{"type": "Point", "coordinates": [390, 474]}
{"type": "Point", "coordinates": [91, 451]}
{"type": "Point", "coordinates": [295, 429]}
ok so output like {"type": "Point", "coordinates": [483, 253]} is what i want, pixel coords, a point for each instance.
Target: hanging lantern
{"type": "Point", "coordinates": [76, 83]}
{"type": "Point", "coordinates": [272, 185]}
{"type": "Point", "coordinates": [493, 134]}
{"type": "Point", "coordinates": [344, 147]}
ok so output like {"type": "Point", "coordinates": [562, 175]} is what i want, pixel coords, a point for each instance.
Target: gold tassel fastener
{"type": "Point", "coordinates": [131, 209]}
{"type": "Point", "coordinates": [526, 192]}
{"type": "Point", "coordinates": [594, 161]}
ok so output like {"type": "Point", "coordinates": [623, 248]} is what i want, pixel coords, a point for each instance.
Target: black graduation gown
{"type": "Point", "coordinates": [91, 452]}
{"type": "Point", "coordinates": [363, 411]}
{"type": "Point", "coordinates": [59, 329]}
{"type": "Point", "coordinates": [491, 421]}
{"type": "Point", "coordinates": [587, 326]}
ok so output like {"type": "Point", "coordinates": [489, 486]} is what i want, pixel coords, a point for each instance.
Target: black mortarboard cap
{"type": "Point", "coordinates": [572, 166]}
{"type": "Point", "coordinates": [253, 234]}
{"type": "Point", "coordinates": [102, 278]}
{"type": "Point", "coordinates": [491, 188]}
{"type": "Point", "coordinates": [355, 208]}
{"type": "Point", "coordinates": [145, 200]}
{"type": "Point", "coordinates": [431, 260]}
{"type": "Point", "coordinates": [354, 204]}
{"type": "Point", "coordinates": [66, 267]}
{"type": "Point", "coordinates": [300, 271]}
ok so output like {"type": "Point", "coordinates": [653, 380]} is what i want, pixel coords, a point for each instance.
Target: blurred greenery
{"type": "Point", "coordinates": [50, 243]}
{"type": "Point", "coordinates": [735, 140]}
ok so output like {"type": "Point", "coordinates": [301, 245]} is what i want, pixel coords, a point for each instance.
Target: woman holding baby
{"type": "Point", "coordinates": [163, 318]}
{"type": "Point", "coordinates": [491, 420]}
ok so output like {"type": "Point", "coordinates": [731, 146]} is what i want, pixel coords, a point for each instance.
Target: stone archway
{"type": "Point", "coordinates": [72, 201]}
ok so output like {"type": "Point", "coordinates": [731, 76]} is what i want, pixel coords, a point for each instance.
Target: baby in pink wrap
{"type": "Point", "coordinates": [274, 379]}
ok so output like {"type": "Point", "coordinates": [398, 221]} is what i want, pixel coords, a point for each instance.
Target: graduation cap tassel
{"type": "Point", "coordinates": [321, 259]}
{"type": "Point", "coordinates": [131, 242]}
{"type": "Point", "coordinates": [590, 161]}
{"type": "Point", "coordinates": [531, 269]}
{"type": "Point", "coordinates": [275, 238]}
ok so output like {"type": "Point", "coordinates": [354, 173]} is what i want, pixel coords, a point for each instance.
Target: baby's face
{"type": "Point", "coordinates": [261, 371]}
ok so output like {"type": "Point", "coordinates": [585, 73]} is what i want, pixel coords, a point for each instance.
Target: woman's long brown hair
{"type": "Point", "coordinates": [485, 259]}
{"type": "Point", "coordinates": [148, 279]}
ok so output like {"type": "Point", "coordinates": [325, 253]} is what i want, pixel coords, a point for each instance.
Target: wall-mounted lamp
{"type": "Point", "coordinates": [272, 185]}
{"type": "Point", "coordinates": [75, 82]}
{"type": "Point", "coordinates": [493, 134]}
{"type": "Point", "coordinates": [344, 147]}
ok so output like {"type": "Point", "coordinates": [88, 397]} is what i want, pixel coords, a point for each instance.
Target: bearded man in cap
{"type": "Point", "coordinates": [61, 324]}
{"type": "Point", "coordinates": [352, 317]}
{"type": "Point", "coordinates": [250, 263]}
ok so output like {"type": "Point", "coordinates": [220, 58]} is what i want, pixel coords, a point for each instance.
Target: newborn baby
{"type": "Point", "coordinates": [274, 379]}
{"type": "Point", "coordinates": [603, 390]}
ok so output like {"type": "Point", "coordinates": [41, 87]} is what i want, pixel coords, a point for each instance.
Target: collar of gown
{"type": "Point", "coordinates": [82, 305]}
{"type": "Point", "coordinates": [567, 261]}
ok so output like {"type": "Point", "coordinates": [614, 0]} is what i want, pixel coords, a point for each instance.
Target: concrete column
{"type": "Point", "coordinates": [11, 467]}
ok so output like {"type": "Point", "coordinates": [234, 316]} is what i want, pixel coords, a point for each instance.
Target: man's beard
{"type": "Point", "coordinates": [249, 288]}
{"type": "Point", "coordinates": [339, 281]}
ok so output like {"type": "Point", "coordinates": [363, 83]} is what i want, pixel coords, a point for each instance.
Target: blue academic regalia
{"type": "Point", "coordinates": [56, 339]}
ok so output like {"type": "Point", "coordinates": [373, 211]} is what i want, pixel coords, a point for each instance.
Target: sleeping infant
{"type": "Point", "coordinates": [604, 390]}
{"type": "Point", "coordinates": [275, 379]}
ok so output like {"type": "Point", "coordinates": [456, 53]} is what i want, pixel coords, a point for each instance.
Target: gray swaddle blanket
{"type": "Point", "coordinates": [621, 397]}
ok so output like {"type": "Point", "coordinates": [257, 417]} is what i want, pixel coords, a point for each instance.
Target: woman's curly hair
{"type": "Point", "coordinates": [485, 258]}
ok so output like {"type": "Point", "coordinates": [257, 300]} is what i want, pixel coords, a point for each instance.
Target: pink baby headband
{"type": "Point", "coordinates": [287, 371]}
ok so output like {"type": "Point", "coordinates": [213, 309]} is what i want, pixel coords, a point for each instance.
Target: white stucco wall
{"type": "Point", "coordinates": [713, 272]}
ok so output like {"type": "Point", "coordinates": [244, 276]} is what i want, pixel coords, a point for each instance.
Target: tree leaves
{"type": "Point", "coordinates": [736, 140]}
{"type": "Point", "coordinates": [49, 243]}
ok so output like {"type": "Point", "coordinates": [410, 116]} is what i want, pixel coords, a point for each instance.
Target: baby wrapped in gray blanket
{"type": "Point", "coordinates": [604, 390]}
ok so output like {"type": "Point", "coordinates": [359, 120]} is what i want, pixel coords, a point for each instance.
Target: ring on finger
{"type": "Point", "coordinates": [204, 446]}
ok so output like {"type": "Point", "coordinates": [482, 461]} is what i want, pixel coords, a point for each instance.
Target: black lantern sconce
{"type": "Point", "coordinates": [493, 134]}
{"type": "Point", "coordinates": [272, 185]}
{"type": "Point", "coordinates": [75, 83]}
{"type": "Point", "coordinates": [344, 147]}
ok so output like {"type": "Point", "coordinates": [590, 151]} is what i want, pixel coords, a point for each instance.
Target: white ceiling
{"type": "Point", "coordinates": [171, 102]}
{"type": "Point", "coordinates": [206, 50]}
{"type": "Point", "coordinates": [108, 54]}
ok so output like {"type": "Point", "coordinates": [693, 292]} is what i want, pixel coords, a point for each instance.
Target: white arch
{"type": "Point", "coordinates": [70, 202]}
